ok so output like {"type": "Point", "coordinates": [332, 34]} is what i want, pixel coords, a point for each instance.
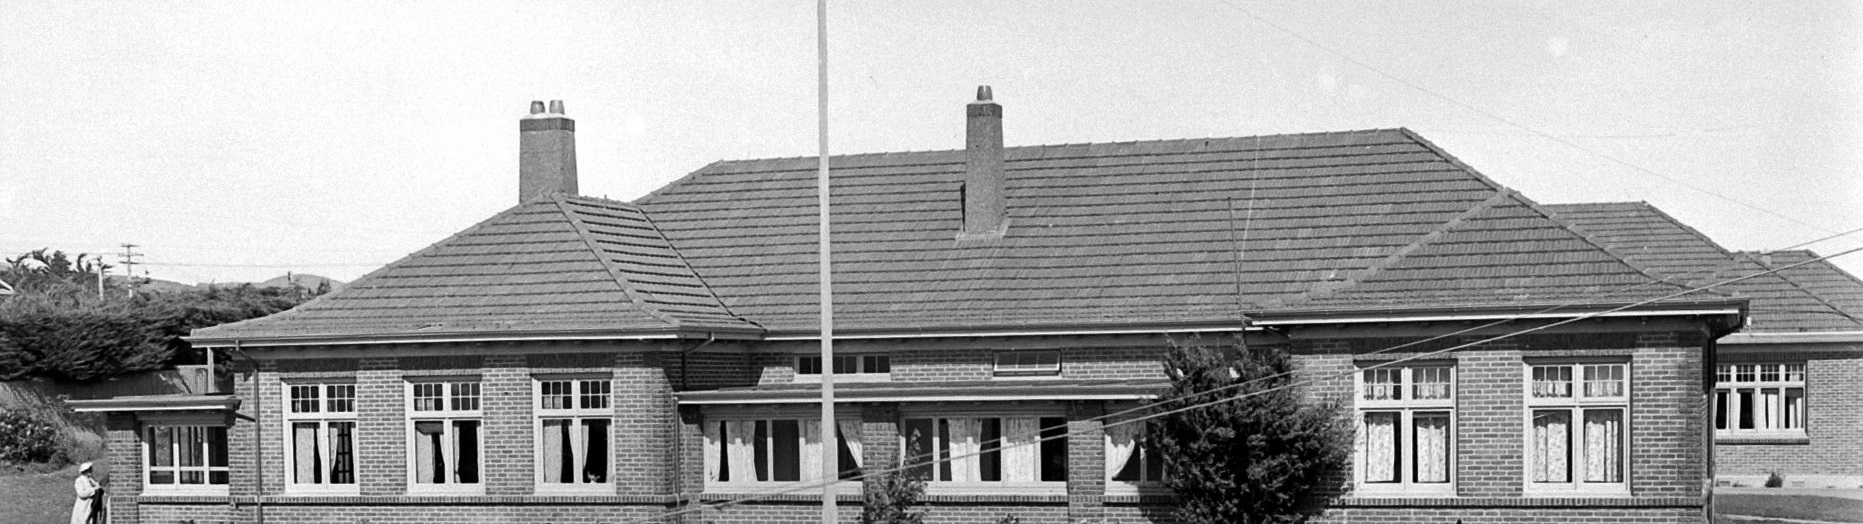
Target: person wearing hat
{"type": "Point", "coordinates": [90, 494]}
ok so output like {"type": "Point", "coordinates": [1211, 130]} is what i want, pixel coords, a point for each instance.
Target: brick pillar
{"type": "Point", "coordinates": [879, 437]}
{"type": "Point", "coordinates": [241, 460]}
{"type": "Point", "coordinates": [509, 438]}
{"type": "Point", "coordinates": [122, 469]}
{"type": "Point", "coordinates": [381, 446]}
{"type": "Point", "coordinates": [1086, 461]}
{"type": "Point", "coordinates": [643, 404]}
{"type": "Point", "coordinates": [1489, 423]}
{"type": "Point", "coordinates": [1667, 450]}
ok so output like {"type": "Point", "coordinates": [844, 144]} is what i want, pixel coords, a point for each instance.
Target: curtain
{"type": "Point", "coordinates": [304, 452]}
{"type": "Point", "coordinates": [1769, 406]}
{"type": "Point", "coordinates": [1551, 437]}
{"type": "Point", "coordinates": [714, 450]}
{"type": "Point", "coordinates": [1021, 453]}
{"type": "Point", "coordinates": [449, 455]}
{"type": "Point", "coordinates": [812, 451]}
{"type": "Point", "coordinates": [742, 450]}
{"type": "Point", "coordinates": [1121, 449]}
{"type": "Point", "coordinates": [1603, 445]}
{"type": "Point", "coordinates": [850, 433]}
{"type": "Point", "coordinates": [426, 452]}
{"type": "Point", "coordinates": [1381, 447]}
{"type": "Point", "coordinates": [578, 452]}
{"type": "Point", "coordinates": [965, 442]}
{"type": "Point", "coordinates": [1432, 442]}
{"type": "Point", "coordinates": [554, 433]}
{"type": "Point", "coordinates": [326, 455]}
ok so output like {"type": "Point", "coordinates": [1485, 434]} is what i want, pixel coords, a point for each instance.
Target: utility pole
{"type": "Point", "coordinates": [129, 267]}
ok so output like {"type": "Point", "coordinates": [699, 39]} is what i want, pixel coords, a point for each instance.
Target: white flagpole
{"type": "Point", "coordinates": [830, 452]}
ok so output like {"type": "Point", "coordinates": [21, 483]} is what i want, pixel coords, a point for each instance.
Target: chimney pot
{"type": "Point", "coordinates": [983, 93]}
{"type": "Point", "coordinates": [985, 211]}
{"type": "Point", "coordinates": [546, 153]}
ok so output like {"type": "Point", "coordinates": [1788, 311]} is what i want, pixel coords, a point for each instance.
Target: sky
{"type": "Point", "coordinates": [238, 141]}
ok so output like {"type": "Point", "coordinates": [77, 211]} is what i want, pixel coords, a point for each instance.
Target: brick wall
{"type": "Point", "coordinates": [1832, 453]}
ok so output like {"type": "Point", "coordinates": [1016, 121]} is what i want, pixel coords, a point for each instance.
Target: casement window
{"type": "Point", "coordinates": [852, 368]}
{"type": "Point", "coordinates": [575, 420]}
{"type": "Point", "coordinates": [1578, 426]}
{"type": "Point", "coordinates": [1132, 460]}
{"type": "Point", "coordinates": [754, 452]}
{"type": "Point", "coordinates": [444, 433]}
{"type": "Point", "coordinates": [1406, 421]}
{"type": "Point", "coordinates": [320, 424]}
{"type": "Point", "coordinates": [954, 453]}
{"type": "Point", "coordinates": [1759, 400]}
{"type": "Point", "coordinates": [184, 459]}
{"type": "Point", "coordinates": [1028, 363]}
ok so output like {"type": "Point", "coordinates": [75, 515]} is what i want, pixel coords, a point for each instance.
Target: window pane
{"type": "Point", "coordinates": [1746, 408]}
{"type": "Point", "coordinates": [304, 399]}
{"type": "Point", "coordinates": [342, 398]}
{"type": "Point", "coordinates": [1795, 372]}
{"type": "Point", "coordinates": [594, 394]}
{"type": "Point", "coordinates": [919, 447]}
{"type": "Point", "coordinates": [216, 447]}
{"type": "Point", "coordinates": [1604, 380]}
{"type": "Point", "coordinates": [1743, 373]}
{"type": "Point", "coordinates": [1552, 381]}
{"type": "Point", "coordinates": [1769, 372]}
{"type": "Point", "coordinates": [193, 477]}
{"type": "Point", "coordinates": [465, 396]}
{"type": "Point", "coordinates": [304, 453]}
{"type": "Point", "coordinates": [1383, 384]}
{"type": "Point", "coordinates": [466, 450]}
{"type": "Point", "coordinates": [1430, 383]}
{"type": "Point", "coordinates": [1721, 408]}
{"type": "Point", "coordinates": [427, 397]}
{"type": "Point", "coordinates": [554, 394]}
{"type": "Point", "coordinates": [190, 440]}
{"type": "Point", "coordinates": [761, 449]}
{"type": "Point", "coordinates": [1431, 447]}
{"type": "Point", "coordinates": [847, 364]}
{"type": "Point", "coordinates": [1795, 408]}
{"type": "Point", "coordinates": [1604, 445]}
{"type": "Point", "coordinates": [990, 463]}
{"type": "Point", "coordinates": [786, 446]}
{"type": "Point", "coordinates": [1054, 449]}
{"type": "Point", "coordinates": [343, 449]}
{"type": "Point", "coordinates": [218, 478]}
{"type": "Point", "coordinates": [1382, 445]}
{"type": "Point", "coordinates": [163, 477]}
{"type": "Point", "coordinates": [595, 451]}
{"type": "Point", "coordinates": [557, 460]}
{"type": "Point", "coordinates": [808, 365]}
{"type": "Point", "coordinates": [1771, 403]}
{"type": "Point", "coordinates": [1551, 452]}
{"type": "Point", "coordinates": [429, 460]}
{"type": "Point", "coordinates": [161, 446]}
{"type": "Point", "coordinates": [1724, 373]}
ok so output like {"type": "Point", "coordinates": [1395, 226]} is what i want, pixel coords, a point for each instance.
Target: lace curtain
{"type": "Point", "coordinates": [1603, 445]}
{"type": "Point", "coordinates": [1021, 453]}
{"type": "Point", "coordinates": [1381, 447]}
{"type": "Point", "coordinates": [964, 439]}
{"type": "Point", "coordinates": [1432, 441]}
{"type": "Point", "coordinates": [1121, 448]}
{"type": "Point", "coordinates": [741, 450]}
{"type": "Point", "coordinates": [1551, 436]}
{"type": "Point", "coordinates": [304, 436]}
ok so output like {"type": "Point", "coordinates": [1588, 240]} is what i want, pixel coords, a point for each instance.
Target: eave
{"type": "Point", "coordinates": [1823, 337]}
{"type": "Point", "coordinates": [156, 403]}
{"type": "Point", "coordinates": [1019, 390]}
{"type": "Point", "coordinates": [458, 337]}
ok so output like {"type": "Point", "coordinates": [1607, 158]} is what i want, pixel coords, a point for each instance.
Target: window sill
{"type": "Point", "coordinates": [1127, 489]}
{"type": "Point", "coordinates": [1404, 490]}
{"type": "Point", "coordinates": [431, 489]}
{"type": "Point", "coordinates": [846, 377]}
{"type": "Point", "coordinates": [1767, 437]}
{"type": "Point", "coordinates": [317, 490]}
{"type": "Point", "coordinates": [1606, 491]}
{"type": "Point", "coordinates": [189, 491]}
{"type": "Point", "coordinates": [995, 488]}
{"type": "Point", "coordinates": [575, 489]}
{"type": "Point", "coordinates": [840, 490]}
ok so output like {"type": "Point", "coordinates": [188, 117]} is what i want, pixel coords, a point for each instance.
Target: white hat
{"type": "Point", "coordinates": [84, 467]}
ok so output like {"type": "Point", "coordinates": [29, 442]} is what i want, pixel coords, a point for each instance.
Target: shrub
{"type": "Point", "coordinates": [890, 500]}
{"type": "Point", "coordinates": [1773, 480]}
{"type": "Point", "coordinates": [26, 438]}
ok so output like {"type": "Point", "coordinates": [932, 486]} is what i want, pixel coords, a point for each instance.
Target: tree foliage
{"type": "Point", "coordinates": [892, 498]}
{"type": "Point", "coordinates": [56, 326]}
{"type": "Point", "coordinates": [1266, 456]}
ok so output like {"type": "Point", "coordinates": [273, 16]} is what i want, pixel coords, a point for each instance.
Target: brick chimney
{"type": "Point", "coordinates": [546, 153]}
{"type": "Point", "coordinates": [985, 214]}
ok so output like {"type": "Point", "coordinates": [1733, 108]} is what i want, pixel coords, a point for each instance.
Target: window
{"type": "Point", "coordinates": [987, 451]}
{"type": "Point", "coordinates": [185, 458]}
{"type": "Point", "coordinates": [574, 421]}
{"type": "Point", "coordinates": [748, 452]}
{"type": "Point", "coordinates": [1131, 460]}
{"type": "Point", "coordinates": [1577, 433]}
{"type": "Point", "coordinates": [1022, 363]}
{"type": "Point", "coordinates": [445, 429]}
{"type": "Point", "coordinates": [852, 368]}
{"type": "Point", "coordinates": [1406, 418]}
{"type": "Point", "coordinates": [321, 423]}
{"type": "Point", "coordinates": [1759, 399]}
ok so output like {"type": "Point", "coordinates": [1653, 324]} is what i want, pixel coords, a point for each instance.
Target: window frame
{"type": "Point", "coordinates": [864, 361]}
{"type": "Point", "coordinates": [447, 415]}
{"type": "Point", "coordinates": [1147, 455]}
{"type": "Point", "coordinates": [1576, 405]}
{"type": "Point", "coordinates": [1039, 368]}
{"type": "Point", "coordinates": [323, 417]}
{"type": "Point", "coordinates": [576, 415]}
{"type": "Point", "coordinates": [1727, 382]}
{"type": "Point", "coordinates": [941, 487]}
{"type": "Point", "coordinates": [769, 418]}
{"type": "Point", "coordinates": [207, 487]}
{"type": "Point", "coordinates": [1407, 407]}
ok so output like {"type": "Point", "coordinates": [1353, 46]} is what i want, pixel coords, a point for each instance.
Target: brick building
{"type": "Point", "coordinates": [1789, 386]}
{"type": "Point", "coordinates": [581, 359]}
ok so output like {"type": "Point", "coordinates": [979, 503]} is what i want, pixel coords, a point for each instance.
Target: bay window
{"type": "Point", "coordinates": [1577, 428]}
{"type": "Point", "coordinates": [185, 459]}
{"type": "Point", "coordinates": [444, 432]}
{"type": "Point", "coordinates": [320, 422]}
{"type": "Point", "coordinates": [1406, 439]}
{"type": "Point", "coordinates": [748, 452]}
{"type": "Point", "coordinates": [1759, 400]}
{"type": "Point", "coordinates": [574, 427]}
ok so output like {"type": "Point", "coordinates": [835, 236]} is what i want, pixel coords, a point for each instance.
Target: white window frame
{"type": "Point", "coordinates": [1027, 363]}
{"type": "Point", "coordinates": [591, 398]}
{"type": "Point", "coordinates": [943, 487]}
{"type": "Point", "coordinates": [1146, 453]}
{"type": "Point", "coordinates": [739, 483]}
{"type": "Point", "coordinates": [1780, 378]}
{"type": "Point", "coordinates": [866, 363]}
{"type": "Point", "coordinates": [1407, 406]}
{"type": "Point", "coordinates": [1579, 401]}
{"type": "Point", "coordinates": [447, 415]}
{"type": "Point", "coordinates": [328, 410]}
{"type": "Point", "coordinates": [175, 468]}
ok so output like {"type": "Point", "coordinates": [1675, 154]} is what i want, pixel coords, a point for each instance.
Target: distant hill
{"type": "Point", "coordinates": [305, 280]}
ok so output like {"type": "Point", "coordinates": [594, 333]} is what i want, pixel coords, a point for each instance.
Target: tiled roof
{"type": "Point", "coordinates": [571, 264]}
{"type": "Point", "coordinates": [1835, 286]}
{"type": "Point", "coordinates": [1133, 233]}
{"type": "Point", "coordinates": [1788, 301]}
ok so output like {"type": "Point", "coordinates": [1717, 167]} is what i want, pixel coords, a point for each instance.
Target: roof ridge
{"type": "Point", "coordinates": [1322, 290]}
{"type": "Point", "coordinates": [1368, 131]}
{"type": "Point", "coordinates": [695, 272]}
{"type": "Point", "coordinates": [619, 278]}
{"type": "Point", "coordinates": [1780, 273]}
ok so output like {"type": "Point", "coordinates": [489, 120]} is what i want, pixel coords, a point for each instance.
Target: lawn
{"type": "Point", "coordinates": [29, 497]}
{"type": "Point", "coordinates": [1801, 507]}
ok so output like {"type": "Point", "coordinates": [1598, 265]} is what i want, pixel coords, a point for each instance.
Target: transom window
{"type": "Point", "coordinates": [445, 428]}
{"type": "Point", "coordinates": [847, 368]}
{"type": "Point", "coordinates": [1759, 399]}
{"type": "Point", "coordinates": [759, 451]}
{"type": "Point", "coordinates": [1578, 428]}
{"type": "Point", "coordinates": [574, 430]}
{"type": "Point", "coordinates": [321, 419]}
{"type": "Point", "coordinates": [185, 458]}
{"type": "Point", "coordinates": [986, 451]}
{"type": "Point", "coordinates": [1406, 417]}
{"type": "Point", "coordinates": [1028, 363]}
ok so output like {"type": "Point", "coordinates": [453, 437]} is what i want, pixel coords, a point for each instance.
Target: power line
{"type": "Point", "coordinates": [1510, 122]}
{"type": "Point", "coordinates": [920, 460]}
